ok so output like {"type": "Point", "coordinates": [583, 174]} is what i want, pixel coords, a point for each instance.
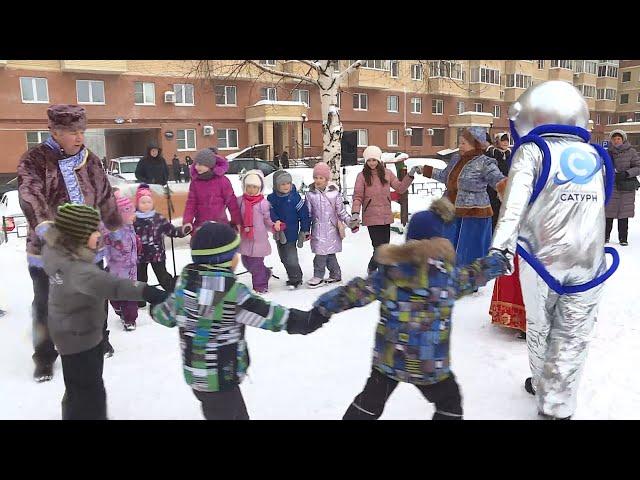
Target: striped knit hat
{"type": "Point", "coordinates": [215, 244]}
{"type": "Point", "coordinates": [77, 221]}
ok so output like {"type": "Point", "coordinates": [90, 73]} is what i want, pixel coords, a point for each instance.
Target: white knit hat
{"type": "Point", "coordinates": [253, 177]}
{"type": "Point", "coordinates": [372, 152]}
{"type": "Point", "coordinates": [622, 133]}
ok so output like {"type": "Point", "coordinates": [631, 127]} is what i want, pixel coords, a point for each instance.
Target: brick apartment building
{"type": "Point", "coordinates": [416, 106]}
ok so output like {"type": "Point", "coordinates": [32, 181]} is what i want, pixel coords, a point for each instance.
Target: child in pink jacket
{"type": "Point", "coordinates": [210, 193]}
{"type": "Point", "coordinates": [256, 223]}
{"type": "Point", "coordinates": [372, 194]}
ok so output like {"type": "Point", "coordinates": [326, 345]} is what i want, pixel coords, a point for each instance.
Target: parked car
{"type": "Point", "coordinates": [124, 167]}
{"type": "Point", "coordinates": [12, 220]}
{"type": "Point", "coordinates": [237, 165]}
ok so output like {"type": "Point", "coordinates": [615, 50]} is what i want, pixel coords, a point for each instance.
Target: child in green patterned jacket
{"type": "Point", "coordinates": [211, 310]}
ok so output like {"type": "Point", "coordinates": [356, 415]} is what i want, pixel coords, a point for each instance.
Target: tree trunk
{"type": "Point", "coordinates": [331, 125]}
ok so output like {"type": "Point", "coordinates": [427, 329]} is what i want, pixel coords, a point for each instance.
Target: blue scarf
{"type": "Point", "coordinates": [148, 214]}
{"type": "Point", "coordinates": [68, 167]}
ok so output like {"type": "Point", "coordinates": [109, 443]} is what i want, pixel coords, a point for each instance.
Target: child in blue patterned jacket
{"type": "Point", "coordinates": [211, 310]}
{"type": "Point", "coordinates": [417, 286]}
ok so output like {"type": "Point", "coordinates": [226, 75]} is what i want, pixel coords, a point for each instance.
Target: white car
{"type": "Point", "coordinates": [12, 220]}
{"type": "Point", "coordinates": [124, 167]}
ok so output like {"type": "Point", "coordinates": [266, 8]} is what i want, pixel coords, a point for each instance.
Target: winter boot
{"type": "Point", "coordinates": [330, 280]}
{"type": "Point", "coordinates": [43, 372]}
{"type": "Point", "coordinates": [107, 349]}
{"type": "Point", "coordinates": [315, 282]}
{"type": "Point", "coordinates": [128, 326]}
{"type": "Point", "coordinates": [528, 386]}
{"type": "Point", "coordinates": [522, 335]}
{"type": "Point", "coordinates": [623, 244]}
{"type": "Point", "coordinates": [293, 284]}
{"type": "Point", "coordinates": [142, 304]}
{"type": "Point", "coordinates": [550, 417]}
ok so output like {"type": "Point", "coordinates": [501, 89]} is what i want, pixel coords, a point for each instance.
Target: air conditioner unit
{"type": "Point", "coordinates": [430, 132]}
{"type": "Point", "coordinates": [207, 130]}
{"type": "Point", "coordinates": [408, 131]}
{"type": "Point", "coordinates": [169, 97]}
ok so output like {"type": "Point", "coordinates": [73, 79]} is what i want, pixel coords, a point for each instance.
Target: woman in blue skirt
{"type": "Point", "coordinates": [466, 177]}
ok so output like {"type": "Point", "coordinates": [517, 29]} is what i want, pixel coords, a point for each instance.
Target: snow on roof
{"type": "Point", "coordinates": [447, 151]}
{"type": "Point", "coordinates": [485, 114]}
{"type": "Point", "coordinates": [280, 102]}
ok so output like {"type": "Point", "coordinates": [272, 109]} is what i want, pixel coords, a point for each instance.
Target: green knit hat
{"type": "Point", "coordinates": [77, 221]}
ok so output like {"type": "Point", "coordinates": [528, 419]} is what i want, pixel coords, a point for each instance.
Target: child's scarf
{"type": "Point", "coordinates": [247, 220]}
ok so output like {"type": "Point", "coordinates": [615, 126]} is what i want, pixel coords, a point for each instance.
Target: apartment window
{"type": "Point", "coordinates": [416, 71]}
{"type": "Point", "coordinates": [485, 75]}
{"type": "Point", "coordinates": [145, 93]}
{"type": "Point", "coordinates": [446, 69]}
{"type": "Point", "coordinates": [626, 77]}
{"type": "Point", "coordinates": [394, 68]}
{"type": "Point", "coordinates": [301, 96]}
{"type": "Point", "coordinates": [622, 118]}
{"type": "Point", "coordinates": [518, 80]}
{"type": "Point", "coordinates": [184, 94]}
{"type": "Point", "coordinates": [306, 137]}
{"type": "Point", "coordinates": [416, 136]}
{"type": "Point", "coordinates": [638, 99]}
{"type": "Point", "coordinates": [477, 107]}
{"type": "Point", "coordinates": [540, 64]}
{"type": "Point", "coordinates": [227, 138]}
{"type": "Point", "coordinates": [568, 64]}
{"type": "Point", "coordinates": [335, 64]}
{"type": "Point", "coordinates": [608, 71]}
{"type": "Point", "coordinates": [90, 91]}
{"type": "Point", "coordinates": [496, 111]}
{"type": "Point", "coordinates": [186, 139]}
{"type": "Point", "coordinates": [609, 120]}
{"type": "Point", "coordinates": [437, 106]}
{"type": "Point", "coordinates": [460, 107]}
{"type": "Point", "coordinates": [606, 94]}
{"type": "Point", "coordinates": [225, 95]}
{"type": "Point", "coordinates": [360, 101]}
{"type": "Point", "coordinates": [437, 140]}
{"type": "Point", "coordinates": [34, 90]}
{"type": "Point", "coordinates": [375, 64]}
{"type": "Point", "coordinates": [636, 116]}
{"type": "Point", "coordinates": [392, 138]}
{"type": "Point", "coordinates": [392, 103]}
{"type": "Point", "coordinates": [363, 137]}
{"type": "Point", "coordinates": [588, 91]}
{"type": "Point", "coordinates": [597, 119]}
{"type": "Point", "coordinates": [36, 138]}
{"type": "Point", "coordinates": [624, 98]}
{"type": "Point", "coordinates": [268, 63]}
{"type": "Point", "coordinates": [586, 66]}
{"type": "Point", "coordinates": [268, 93]}
{"type": "Point", "coordinates": [416, 105]}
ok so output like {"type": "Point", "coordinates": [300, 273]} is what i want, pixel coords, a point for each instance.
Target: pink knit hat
{"type": "Point", "coordinates": [143, 191]}
{"type": "Point", "coordinates": [125, 207]}
{"type": "Point", "coordinates": [321, 169]}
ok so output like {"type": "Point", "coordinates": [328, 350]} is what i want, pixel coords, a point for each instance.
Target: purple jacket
{"type": "Point", "coordinates": [325, 209]}
{"type": "Point", "coordinates": [208, 199]}
{"type": "Point", "coordinates": [258, 246]}
{"type": "Point", "coordinates": [151, 227]}
{"type": "Point", "coordinates": [121, 251]}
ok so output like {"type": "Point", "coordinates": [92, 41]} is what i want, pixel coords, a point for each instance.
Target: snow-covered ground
{"type": "Point", "coordinates": [317, 376]}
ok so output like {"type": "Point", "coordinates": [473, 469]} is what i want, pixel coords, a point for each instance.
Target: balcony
{"type": "Point", "coordinates": [511, 94]}
{"type": "Point", "coordinates": [94, 66]}
{"type": "Point", "coordinates": [607, 82]}
{"type": "Point", "coordinates": [584, 79]}
{"type": "Point", "coordinates": [447, 86]}
{"type": "Point", "coordinates": [368, 78]}
{"type": "Point", "coordinates": [487, 91]}
{"type": "Point", "coordinates": [563, 74]}
{"type": "Point", "coordinates": [605, 105]}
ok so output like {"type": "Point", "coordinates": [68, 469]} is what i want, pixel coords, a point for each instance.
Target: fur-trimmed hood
{"type": "Point", "coordinates": [331, 187]}
{"type": "Point", "coordinates": [52, 239]}
{"type": "Point", "coordinates": [444, 209]}
{"type": "Point", "coordinates": [417, 252]}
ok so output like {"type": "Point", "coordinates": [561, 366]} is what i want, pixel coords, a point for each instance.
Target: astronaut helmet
{"type": "Point", "coordinates": [553, 102]}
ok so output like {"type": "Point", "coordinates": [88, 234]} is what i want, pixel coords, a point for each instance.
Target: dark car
{"type": "Point", "coordinates": [237, 165]}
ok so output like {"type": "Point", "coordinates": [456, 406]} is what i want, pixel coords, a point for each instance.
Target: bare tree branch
{"type": "Point", "coordinates": [278, 73]}
{"type": "Point", "coordinates": [309, 63]}
{"type": "Point", "coordinates": [350, 69]}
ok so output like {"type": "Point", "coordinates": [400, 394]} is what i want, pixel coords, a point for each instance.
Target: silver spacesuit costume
{"type": "Point", "coordinates": [563, 229]}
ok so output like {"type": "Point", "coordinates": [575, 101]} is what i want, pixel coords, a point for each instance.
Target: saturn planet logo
{"type": "Point", "coordinates": [577, 166]}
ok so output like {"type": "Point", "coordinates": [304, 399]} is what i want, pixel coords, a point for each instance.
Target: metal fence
{"type": "Point", "coordinates": [10, 227]}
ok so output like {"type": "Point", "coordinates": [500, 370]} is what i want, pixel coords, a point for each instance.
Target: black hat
{"type": "Point", "coordinates": [215, 244]}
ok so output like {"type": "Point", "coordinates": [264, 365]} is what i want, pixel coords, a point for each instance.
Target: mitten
{"type": "Point", "coordinates": [154, 295]}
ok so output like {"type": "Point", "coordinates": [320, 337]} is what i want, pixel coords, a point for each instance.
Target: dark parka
{"type": "Point", "coordinates": [625, 159]}
{"type": "Point", "coordinates": [153, 170]}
